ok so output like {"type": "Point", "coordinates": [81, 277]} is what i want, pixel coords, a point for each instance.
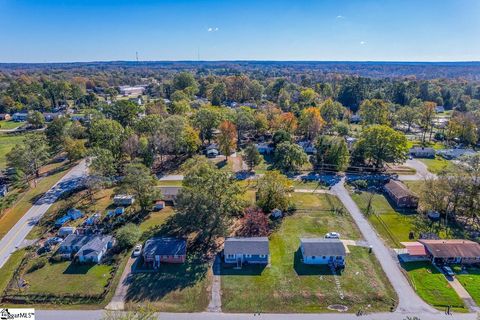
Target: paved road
{"type": "Point", "coordinates": [14, 238]}
{"type": "Point", "coordinates": [421, 174]}
{"type": "Point", "coordinates": [98, 314]}
{"type": "Point", "coordinates": [408, 300]}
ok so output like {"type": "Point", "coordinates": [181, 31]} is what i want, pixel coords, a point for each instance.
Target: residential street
{"type": "Point", "coordinates": [14, 238]}
{"type": "Point", "coordinates": [409, 302]}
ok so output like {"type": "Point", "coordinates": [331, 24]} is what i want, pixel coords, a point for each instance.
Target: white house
{"type": "Point", "coordinates": [323, 251]}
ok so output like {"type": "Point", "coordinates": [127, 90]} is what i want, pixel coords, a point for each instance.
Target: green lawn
{"type": "Point", "coordinates": [156, 219]}
{"type": "Point", "coordinates": [173, 288]}
{"type": "Point", "coordinates": [286, 285]}
{"type": "Point", "coordinates": [392, 226]}
{"type": "Point", "coordinates": [8, 269]}
{"type": "Point", "coordinates": [308, 185]}
{"type": "Point", "coordinates": [470, 281]}
{"type": "Point", "coordinates": [68, 278]}
{"type": "Point", "coordinates": [26, 200]}
{"type": "Point", "coordinates": [7, 125]}
{"type": "Point", "coordinates": [414, 186]}
{"type": "Point", "coordinates": [436, 165]}
{"type": "Point", "coordinates": [7, 142]}
{"type": "Point", "coordinates": [431, 285]}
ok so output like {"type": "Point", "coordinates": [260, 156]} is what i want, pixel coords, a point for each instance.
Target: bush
{"type": "Point", "coordinates": [128, 236]}
{"type": "Point", "coordinates": [39, 264]}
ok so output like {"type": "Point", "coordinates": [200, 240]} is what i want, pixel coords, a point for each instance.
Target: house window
{"type": "Point", "coordinates": [248, 256]}
{"type": "Point", "coordinates": [230, 256]}
{"type": "Point", "coordinates": [262, 255]}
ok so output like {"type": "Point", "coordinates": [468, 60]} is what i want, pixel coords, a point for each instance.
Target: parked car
{"type": "Point", "coordinates": [137, 251]}
{"type": "Point", "coordinates": [332, 235]}
{"type": "Point", "coordinates": [448, 271]}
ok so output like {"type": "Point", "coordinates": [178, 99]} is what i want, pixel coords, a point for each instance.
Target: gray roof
{"type": "Point", "coordinates": [322, 247]}
{"type": "Point", "coordinates": [422, 149]}
{"type": "Point", "coordinates": [75, 240]}
{"type": "Point", "coordinates": [170, 190]}
{"type": "Point", "coordinates": [252, 245]}
{"type": "Point", "coordinates": [95, 245]}
{"type": "Point", "coordinates": [165, 246]}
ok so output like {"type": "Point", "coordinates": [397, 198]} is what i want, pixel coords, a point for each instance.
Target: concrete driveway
{"type": "Point", "coordinates": [14, 238]}
{"type": "Point", "coordinates": [421, 174]}
{"type": "Point", "coordinates": [118, 300]}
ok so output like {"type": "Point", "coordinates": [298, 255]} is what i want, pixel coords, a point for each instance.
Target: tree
{"type": "Point", "coordinates": [56, 132]}
{"type": "Point", "coordinates": [273, 192]}
{"type": "Point", "coordinates": [209, 199]}
{"type": "Point", "coordinates": [331, 153]}
{"type": "Point", "coordinates": [103, 162]}
{"type": "Point", "coordinates": [139, 182]}
{"type": "Point", "coordinates": [36, 119]}
{"type": "Point", "coordinates": [285, 121]}
{"type": "Point", "coordinates": [380, 144]}
{"type": "Point", "coordinates": [289, 156]}
{"type": "Point", "coordinates": [374, 111]}
{"type": "Point", "coordinates": [331, 111]}
{"type": "Point", "coordinates": [180, 107]}
{"type": "Point", "coordinates": [252, 156]}
{"type": "Point", "coordinates": [407, 116]}
{"type": "Point", "coordinates": [245, 120]}
{"type": "Point", "coordinates": [227, 138]}
{"type": "Point", "coordinates": [307, 98]}
{"type": "Point", "coordinates": [218, 94]}
{"type": "Point", "coordinates": [124, 111]}
{"type": "Point", "coordinates": [254, 223]}
{"type": "Point", "coordinates": [75, 149]}
{"type": "Point", "coordinates": [427, 113]}
{"type": "Point", "coordinates": [281, 136]}
{"type": "Point", "coordinates": [186, 82]}
{"type": "Point", "coordinates": [206, 120]}
{"type": "Point", "coordinates": [128, 236]}
{"type": "Point", "coordinates": [108, 134]}
{"type": "Point", "coordinates": [29, 156]}
{"type": "Point", "coordinates": [311, 122]}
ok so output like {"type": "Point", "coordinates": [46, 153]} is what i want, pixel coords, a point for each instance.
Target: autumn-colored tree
{"type": "Point", "coordinates": [227, 139]}
{"type": "Point", "coordinates": [254, 223]}
{"type": "Point", "coordinates": [285, 121]}
{"type": "Point", "coordinates": [311, 122]}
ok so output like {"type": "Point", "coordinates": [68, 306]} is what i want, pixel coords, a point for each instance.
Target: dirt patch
{"type": "Point", "coordinates": [338, 307]}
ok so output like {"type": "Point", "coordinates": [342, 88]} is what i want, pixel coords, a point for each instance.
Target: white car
{"type": "Point", "coordinates": [137, 251]}
{"type": "Point", "coordinates": [332, 235]}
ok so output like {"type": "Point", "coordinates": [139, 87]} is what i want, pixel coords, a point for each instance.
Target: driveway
{"type": "Point", "coordinates": [421, 174]}
{"type": "Point", "coordinates": [14, 238]}
{"type": "Point", "coordinates": [118, 300]}
{"type": "Point", "coordinates": [408, 299]}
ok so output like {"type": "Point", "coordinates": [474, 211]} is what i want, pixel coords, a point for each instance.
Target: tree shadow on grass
{"type": "Point", "coordinates": [74, 268]}
{"type": "Point", "coordinates": [153, 286]}
{"type": "Point", "coordinates": [308, 270]}
{"type": "Point", "coordinates": [245, 270]}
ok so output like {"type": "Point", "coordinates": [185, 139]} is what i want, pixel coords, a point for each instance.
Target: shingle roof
{"type": "Point", "coordinates": [398, 189]}
{"type": "Point", "coordinates": [94, 246]}
{"type": "Point", "coordinates": [165, 246]}
{"type": "Point", "coordinates": [170, 190]}
{"type": "Point", "coordinates": [322, 247]}
{"type": "Point", "coordinates": [452, 248]}
{"type": "Point", "coordinates": [252, 245]}
{"type": "Point", "coordinates": [75, 240]}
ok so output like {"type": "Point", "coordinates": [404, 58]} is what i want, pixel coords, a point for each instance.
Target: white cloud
{"type": "Point", "coordinates": [211, 29]}
{"type": "Point", "coordinates": [363, 43]}
{"type": "Point", "coordinates": [340, 17]}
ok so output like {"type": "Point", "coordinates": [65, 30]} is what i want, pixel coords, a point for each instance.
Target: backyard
{"type": "Point", "coordinates": [470, 280]}
{"type": "Point", "coordinates": [286, 285]}
{"type": "Point", "coordinates": [431, 286]}
{"type": "Point", "coordinates": [436, 165]}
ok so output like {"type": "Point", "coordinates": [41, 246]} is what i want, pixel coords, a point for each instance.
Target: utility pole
{"type": "Point", "coordinates": [136, 55]}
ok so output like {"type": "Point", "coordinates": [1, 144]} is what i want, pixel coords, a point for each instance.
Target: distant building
{"type": "Point", "coordinates": [401, 195]}
{"type": "Point", "coordinates": [350, 141]}
{"type": "Point", "coordinates": [253, 250]}
{"type": "Point", "coordinates": [452, 154]}
{"type": "Point", "coordinates": [20, 116]}
{"type": "Point", "coordinates": [123, 200]}
{"type": "Point", "coordinates": [164, 250]}
{"type": "Point", "coordinates": [422, 152]}
{"type": "Point", "coordinates": [50, 116]}
{"type": "Point", "coordinates": [355, 118]}
{"type": "Point", "coordinates": [66, 231]}
{"type": "Point", "coordinates": [131, 90]}
{"type": "Point", "coordinates": [323, 251]}
{"type": "Point", "coordinates": [170, 193]}
{"type": "Point", "coordinates": [439, 109]}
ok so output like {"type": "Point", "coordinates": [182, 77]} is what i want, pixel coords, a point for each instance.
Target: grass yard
{"type": "Point", "coordinates": [66, 278]}
{"type": "Point", "coordinates": [431, 285]}
{"type": "Point", "coordinates": [8, 125]}
{"type": "Point", "coordinates": [414, 186]}
{"type": "Point", "coordinates": [308, 185]}
{"type": "Point", "coordinates": [7, 142]}
{"type": "Point", "coordinates": [436, 165]}
{"type": "Point", "coordinates": [8, 269]}
{"type": "Point", "coordinates": [26, 200]}
{"type": "Point", "coordinates": [470, 281]}
{"type": "Point", "coordinates": [174, 288]}
{"type": "Point", "coordinates": [156, 219]}
{"type": "Point", "coordinates": [392, 226]}
{"type": "Point", "coordinates": [287, 285]}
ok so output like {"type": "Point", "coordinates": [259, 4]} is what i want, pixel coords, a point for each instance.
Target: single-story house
{"type": "Point", "coordinates": [164, 250]}
{"type": "Point", "coordinates": [452, 251]}
{"type": "Point", "coordinates": [20, 116]}
{"type": "Point", "coordinates": [159, 205]}
{"type": "Point", "coordinates": [5, 116]}
{"type": "Point", "coordinates": [66, 231]}
{"type": "Point", "coordinates": [123, 200]}
{"type": "Point", "coordinates": [94, 250]}
{"type": "Point", "coordinates": [50, 116]}
{"type": "Point", "coordinates": [323, 251]}
{"type": "Point", "coordinates": [254, 250]}
{"type": "Point", "coordinates": [451, 154]}
{"type": "Point", "coordinates": [86, 248]}
{"type": "Point", "coordinates": [401, 195]}
{"type": "Point", "coordinates": [422, 152]}
{"type": "Point", "coordinates": [131, 90]}
{"type": "Point", "coordinates": [264, 148]}
{"type": "Point", "coordinates": [170, 193]}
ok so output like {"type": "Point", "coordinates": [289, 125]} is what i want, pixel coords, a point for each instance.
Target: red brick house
{"type": "Point", "coordinates": [164, 250]}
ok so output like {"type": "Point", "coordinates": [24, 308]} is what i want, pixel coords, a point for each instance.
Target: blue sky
{"type": "Point", "coordinates": [356, 30]}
